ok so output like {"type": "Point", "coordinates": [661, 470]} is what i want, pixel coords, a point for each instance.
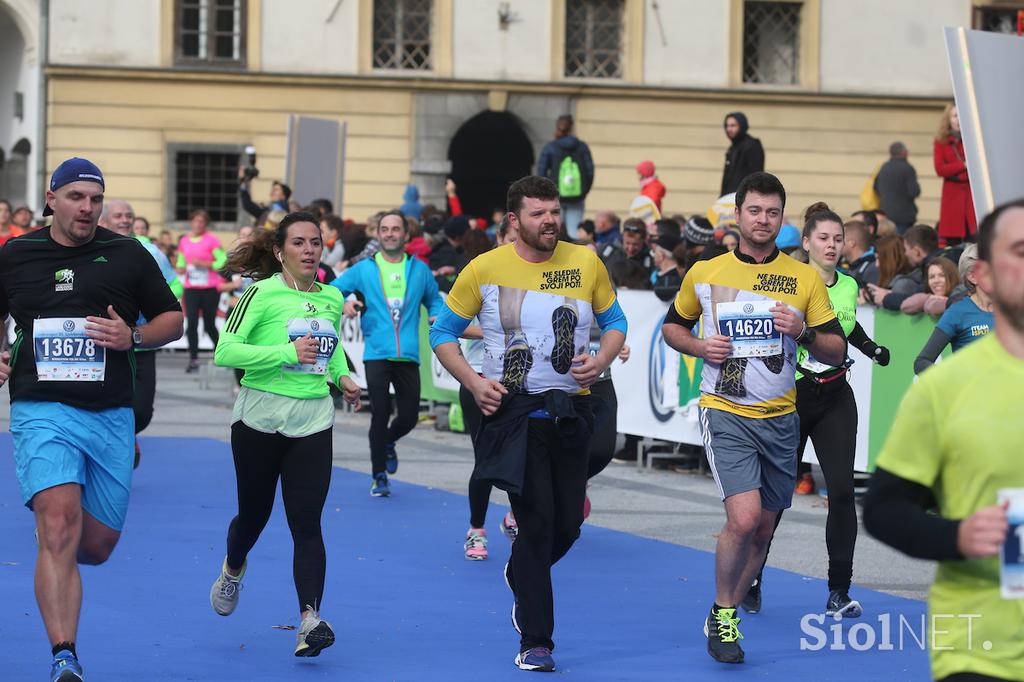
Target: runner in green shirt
{"type": "Point", "coordinates": [284, 334]}
{"type": "Point", "coordinates": [828, 413]}
{"type": "Point", "coordinates": [955, 444]}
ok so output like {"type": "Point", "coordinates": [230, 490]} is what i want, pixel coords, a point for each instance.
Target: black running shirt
{"type": "Point", "coordinates": [41, 280]}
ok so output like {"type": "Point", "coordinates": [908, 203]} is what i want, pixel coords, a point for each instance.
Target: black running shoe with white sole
{"type": "Point", "coordinates": [563, 324]}
{"type": "Point", "coordinates": [840, 605]}
{"type": "Point", "coordinates": [721, 629]}
{"type": "Point", "coordinates": [752, 601]}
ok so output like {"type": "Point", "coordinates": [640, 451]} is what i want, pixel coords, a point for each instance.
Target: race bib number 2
{"type": "Point", "coordinates": [1011, 564]}
{"type": "Point", "coordinates": [326, 337]}
{"type": "Point", "coordinates": [64, 353]}
{"type": "Point", "coordinates": [751, 327]}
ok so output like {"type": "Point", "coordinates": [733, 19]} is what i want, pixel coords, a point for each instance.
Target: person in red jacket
{"type": "Point", "coordinates": [650, 185]}
{"type": "Point", "coordinates": [957, 221]}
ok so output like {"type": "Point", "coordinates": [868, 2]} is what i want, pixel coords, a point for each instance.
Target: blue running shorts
{"type": "Point", "coordinates": [56, 444]}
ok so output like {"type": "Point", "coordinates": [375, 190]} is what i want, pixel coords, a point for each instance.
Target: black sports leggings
{"type": "Point", "coordinates": [304, 467]}
{"type": "Point", "coordinates": [206, 300]}
{"type": "Point", "coordinates": [145, 388]}
{"type": "Point", "coordinates": [405, 377]}
{"type": "Point", "coordinates": [602, 442]}
{"type": "Point", "coordinates": [828, 416]}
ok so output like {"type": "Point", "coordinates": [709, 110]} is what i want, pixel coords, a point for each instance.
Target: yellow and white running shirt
{"type": "Point", "coordinates": [732, 297]}
{"type": "Point", "coordinates": [535, 316]}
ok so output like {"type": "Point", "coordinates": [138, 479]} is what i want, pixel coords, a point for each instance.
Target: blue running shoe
{"type": "Point", "coordinates": [380, 487]}
{"type": "Point", "coordinates": [537, 659]}
{"type": "Point", "coordinates": [391, 458]}
{"type": "Point", "coordinates": [66, 668]}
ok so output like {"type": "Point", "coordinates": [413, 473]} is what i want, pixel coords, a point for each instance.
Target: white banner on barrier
{"type": "Point", "coordinates": [647, 386]}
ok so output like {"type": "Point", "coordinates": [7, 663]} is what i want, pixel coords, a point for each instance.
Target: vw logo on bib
{"type": "Point", "coordinates": [748, 308]}
{"type": "Point", "coordinates": [314, 325]}
{"type": "Point", "coordinates": [69, 326]}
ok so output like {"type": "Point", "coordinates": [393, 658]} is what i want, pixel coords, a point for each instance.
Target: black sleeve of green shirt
{"type": "Point", "coordinates": [860, 340]}
{"type": "Point", "coordinates": [674, 317]}
{"type": "Point", "coordinates": [896, 512]}
{"type": "Point", "coordinates": [936, 343]}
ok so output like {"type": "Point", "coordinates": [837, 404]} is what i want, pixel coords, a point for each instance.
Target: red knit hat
{"type": "Point", "coordinates": [645, 169]}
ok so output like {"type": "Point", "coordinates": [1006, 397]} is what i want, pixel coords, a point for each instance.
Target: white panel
{"type": "Point", "coordinates": [312, 36]}
{"type": "Point", "coordinates": [686, 43]}
{"type": "Point", "coordinates": [483, 51]}
{"type": "Point", "coordinates": [886, 47]}
{"type": "Point", "coordinates": [109, 33]}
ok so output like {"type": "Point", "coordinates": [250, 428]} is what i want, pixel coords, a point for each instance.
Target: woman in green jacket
{"type": "Point", "coordinates": [284, 334]}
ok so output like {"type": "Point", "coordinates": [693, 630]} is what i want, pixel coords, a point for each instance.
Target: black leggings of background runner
{"type": "Point", "coordinates": [304, 467]}
{"type": "Point", "coordinates": [828, 416]}
{"type": "Point", "coordinates": [405, 377]}
{"type": "Point", "coordinates": [206, 300]}
{"type": "Point", "coordinates": [145, 388]}
{"type": "Point", "coordinates": [602, 443]}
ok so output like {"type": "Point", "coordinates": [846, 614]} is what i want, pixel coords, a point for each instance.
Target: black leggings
{"type": "Point", "coordinates": [972, 677]}
{"type": "Point", "coordinates": [828, 416]}
{"type": "Point", "coordinates": [405, 377]}
{"type": "Point", "coordinates": [145, 388]}
{"type": "Point", "coordinates": [206, 300]}
{"type": "Point", "coordinates": [304, 467]}
{"type": "Point", "coordinates": [602, 443]}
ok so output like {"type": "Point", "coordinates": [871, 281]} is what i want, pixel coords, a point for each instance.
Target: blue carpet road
{"type": "Point", "coordinates": [404, 603]}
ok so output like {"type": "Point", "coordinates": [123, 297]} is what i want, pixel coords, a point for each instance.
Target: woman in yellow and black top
{"type": "Point", "coordinates": [284, 334]}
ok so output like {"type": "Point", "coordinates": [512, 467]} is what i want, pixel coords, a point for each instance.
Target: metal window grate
{"type": "Point", "coordinates": [401, 34]}
{"type": "Point", "coordinates": [211, 31]}
{"type": "Point", "coordinates": [593, 38]}
{"type": "Point", "coordinates": [207, 180]}
{"type": "Point", "coordinates": [997, 19]}
{"type": "Point", "coordinates": [771, 42]}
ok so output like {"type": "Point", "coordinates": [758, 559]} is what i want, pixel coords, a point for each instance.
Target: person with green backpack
{"type": "Point", "coordinates": [567, 162]}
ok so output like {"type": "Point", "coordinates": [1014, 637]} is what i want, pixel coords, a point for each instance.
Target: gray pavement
{"type": "Point", "coordinates": [680, 508]}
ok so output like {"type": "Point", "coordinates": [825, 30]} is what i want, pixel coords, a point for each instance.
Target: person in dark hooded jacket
{"type": "Point", "coordinates": [744, 156]}
{"type": "Point", "coordinates": [549, 165]}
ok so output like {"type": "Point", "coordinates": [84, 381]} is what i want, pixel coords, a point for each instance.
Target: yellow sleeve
{"type": "Point", "coordinates": [465, 299]}
{"type": "Point", "coordinates": [913, 449]}
{"type": "Point", "coordinates": [819, 307]}
{"type": "Point", "coordinates": [604, 295]}
{"type": "Point", "coordinates": [687, 304]}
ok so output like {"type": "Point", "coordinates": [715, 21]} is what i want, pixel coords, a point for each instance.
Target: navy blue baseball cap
{"type": "Point", "coordinates": [73, 170]}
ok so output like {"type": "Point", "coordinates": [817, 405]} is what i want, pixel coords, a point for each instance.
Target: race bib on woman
{"type": "Point", "coordinates": [326, 337]}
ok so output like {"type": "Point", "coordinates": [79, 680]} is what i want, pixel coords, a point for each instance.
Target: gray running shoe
{"type": "Point", "coordinates": [314, 635]}
{"type": "Point", "coordinates": [224, 593]}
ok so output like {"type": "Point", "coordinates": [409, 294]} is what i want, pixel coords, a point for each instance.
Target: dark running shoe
{"type": "Point", "coordinates": [517, 364]}
{"type": "Point", "coordinates": [537, 659]}
{"type": "Point", "coordinates": [563, 324]}
{"type": "Point", "coordinates": [752, 602]}
{"type": "Point", "coordinates": [732, 379]}
{"type": "Point", "coordinates": [840, 605]}
{"type": "Point", "coordinates": [721, 629]}
{"type": "Point", "coordinates": [390, 458]}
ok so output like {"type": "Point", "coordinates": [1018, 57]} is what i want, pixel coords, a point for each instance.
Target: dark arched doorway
{"type": "Point", "coordinates": [488, 153]}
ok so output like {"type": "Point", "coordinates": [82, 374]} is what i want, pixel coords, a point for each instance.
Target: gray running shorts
{"type": "Point", "coordinates": [751, 454]}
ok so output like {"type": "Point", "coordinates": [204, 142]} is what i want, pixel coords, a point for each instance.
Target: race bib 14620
{"type": "Point", "coordinates": [751, 327]}
{"type": "Point", "coordinates": [64, 353]}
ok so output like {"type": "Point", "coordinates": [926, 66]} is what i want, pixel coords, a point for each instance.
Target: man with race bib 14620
{"type": "Point", "coordinates": [755, 305]}
{"type": "Point", "coordinates": [75, 292]}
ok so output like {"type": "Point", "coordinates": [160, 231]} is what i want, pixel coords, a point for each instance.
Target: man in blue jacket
{"type": "Point", "coordinates": [391, 287]}
{"type": "Point", "coordinates": [566, 160]}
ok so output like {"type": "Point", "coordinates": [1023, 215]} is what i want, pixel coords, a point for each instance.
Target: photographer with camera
{"type": "Point", "coordinates": [279, 192]}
